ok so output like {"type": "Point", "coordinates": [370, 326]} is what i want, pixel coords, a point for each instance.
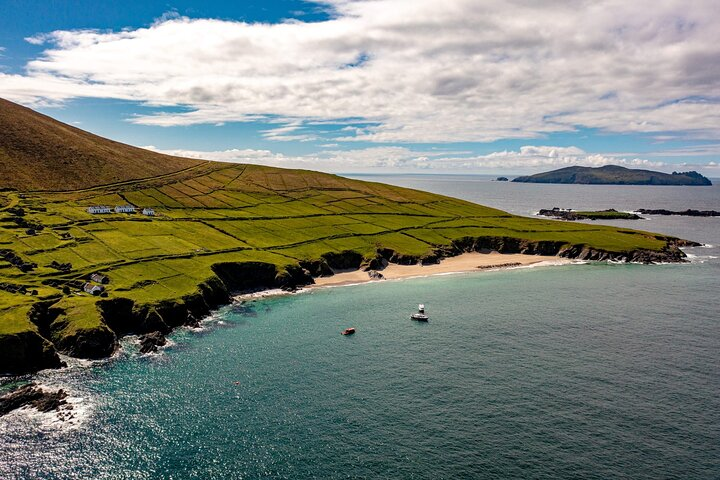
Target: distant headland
{"type": "Point", "coordinates": [615, 175]}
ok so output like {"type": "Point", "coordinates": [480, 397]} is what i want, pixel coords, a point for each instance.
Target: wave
{"type": "Point", "coordinates": [700, 258]}
{"type": "Point", "coordinates": [72, 415]}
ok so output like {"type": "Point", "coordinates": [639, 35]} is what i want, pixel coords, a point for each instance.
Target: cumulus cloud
{"type": "Point", "coordinates": [416, 70]}
{"type": "Point", "coordinates": [527, 159]}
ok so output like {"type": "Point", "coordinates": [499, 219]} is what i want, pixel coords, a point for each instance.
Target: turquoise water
{"type": "Point", "coordinates": [580, 371]}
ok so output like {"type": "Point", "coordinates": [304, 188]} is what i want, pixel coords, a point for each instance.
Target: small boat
{"type": "Point", "coordinates": [348, 331]}
{"type": "Point", "coordinates": [420, 316]}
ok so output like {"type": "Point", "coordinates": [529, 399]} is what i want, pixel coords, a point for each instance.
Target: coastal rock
{"type": "Point", "coordinates": [343, 260]}
{"type": "Point", "coordinates": [33, 396]}
{"type": "Point", "coordinates": [376, 263]}
{"type": "Point", "coordinates": [150, 342]}
{"type": "Point", "coordinates": [240, 277]}
{"type": "Point", "coordinates": [317, 268]}
{"type": "Point", "coordinates": [26, 352]}
{"type": "Point", "coordinates": [293, 277]}
{"type": "Point", "coordinates": [122, 316]}
{"type": "Point", "coordinates": [191, 321]}
{"type": "Point", "coordinates": [687, 213]}
{"type": "Point", "coordinates": [91, 343]}
{"type": "Point", "coordinates": [375, 275]}
{"type": "Point", "coordinates": [671, 253]}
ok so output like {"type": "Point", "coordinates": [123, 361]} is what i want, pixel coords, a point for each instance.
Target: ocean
{"type": "Point", "coordinates": [590, 370]}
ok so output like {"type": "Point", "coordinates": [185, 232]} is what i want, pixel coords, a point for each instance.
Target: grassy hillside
{"type": "Point", "coordinates": [39, 153]}
{"type": "Point", "coordinates": [615, 175]}
{"type": "Point", "coordinates": [223, 227]}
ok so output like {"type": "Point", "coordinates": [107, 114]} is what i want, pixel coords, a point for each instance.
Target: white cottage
{"type": "Point", "coordinates": [98, 209]}
{"type": "Point", "coordinates": [93, 289]}
{"type": "Point", "coordinates": [149, 212]}
{"type": "Point", "coordinates": [124, 209]}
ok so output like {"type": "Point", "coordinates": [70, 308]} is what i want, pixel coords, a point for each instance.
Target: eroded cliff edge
{"type": "Point", "coordinates": [27, 352]}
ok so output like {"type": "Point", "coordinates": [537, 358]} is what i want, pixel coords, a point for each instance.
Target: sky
{"type": "Point", "coordinates": [379, 86]}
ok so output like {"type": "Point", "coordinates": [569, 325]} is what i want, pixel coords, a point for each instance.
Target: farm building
{"type": "Point", "coordinates": [124, 209]}
{"type": "Point", "coordinates": [99, 278]}
{"type": "Point", "coordinates": [93, 289]}
{"type": "Point", "coordinates": [98, 209]}
{"type": "Point", "coordinates": [149, 212]}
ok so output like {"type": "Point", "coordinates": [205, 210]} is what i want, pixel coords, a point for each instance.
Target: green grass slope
{"type": "Point", "coordinates": [222, 227]}
{"type": "Point", "coordinates": [39, 153]}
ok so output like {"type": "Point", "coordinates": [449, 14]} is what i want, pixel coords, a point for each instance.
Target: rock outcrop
{"type": "Point", "coordinates": [26, 352]}
{"type": "Point", "coordinates": [32, 396]}
{"type": "Point", "coordinates": [686, 213]}
{"type": "Point", "coordinates": [567, 214]}
{"type": "Point", "coordinates": [150, 342]}
{"type": "Point", "coordinates": [121, 316]}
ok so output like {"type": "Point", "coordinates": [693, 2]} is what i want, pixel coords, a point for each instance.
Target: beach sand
{"type": "Point", "coordinates": [467, 262]}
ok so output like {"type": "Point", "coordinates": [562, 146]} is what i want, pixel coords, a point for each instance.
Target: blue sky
{"type": "Point", "coordinates": [378, 86]}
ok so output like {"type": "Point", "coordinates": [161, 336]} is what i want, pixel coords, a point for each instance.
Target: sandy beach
{"type": "Point", "coordinates": [467, 262]}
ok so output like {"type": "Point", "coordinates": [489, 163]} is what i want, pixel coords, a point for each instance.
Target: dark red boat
{"type": "Point", "coordinates": [348, 331]}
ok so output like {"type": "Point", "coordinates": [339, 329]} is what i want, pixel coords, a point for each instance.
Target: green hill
{"type": "Point", "coordinates": [615, 175]}
{"type": "Point", "coordinates": [39, 153]}
{"type": "Point", "coordinates": [219, 228]}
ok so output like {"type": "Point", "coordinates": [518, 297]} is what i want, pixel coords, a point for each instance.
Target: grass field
{"type": "Point", "coordinates": [216, 213]}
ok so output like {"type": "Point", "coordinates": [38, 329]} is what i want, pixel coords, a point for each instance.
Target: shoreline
{"type": "Point", "coordinates": [232, 281]}
{"type": "Point", "coordinates": [463, 263]}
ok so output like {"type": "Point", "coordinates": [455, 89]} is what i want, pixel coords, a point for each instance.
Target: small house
{"type": "Point", "coordinates": [93, 289]}
{"type": "Point", "coordinates": [98, 209]}
{"type": "Point", "coordinates": [149, 212]}
{"type": "Point", "coordinates": [99, 278]}
{"type": "Point", "coordinates": [124, 209]}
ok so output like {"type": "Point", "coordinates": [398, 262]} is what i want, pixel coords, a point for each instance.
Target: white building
{"type": "Point", "coordinates": [124, 209]}
{"type": "Point", "coordinates": [99, 278]}
{"type": "Point", "coordinates": [149, 212]}
{"type": "Point", "coordinates": [98, 209]}
{"type": "Point", "coordinates": [93, 289]}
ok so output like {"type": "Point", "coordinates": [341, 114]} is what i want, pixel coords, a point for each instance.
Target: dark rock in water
{"type": "Point", "coordinates": [687, 213]}
{"type": "Point", "coordinates": [501, 179]}
{"type": "Point", "coordinates": [244, 309]}
{"type": "Point", "coordinates": [33, 396]}
{"type": "Point", "coordinates": [150, 342]}
{"type": "Point", "coordinates": [192, 321]}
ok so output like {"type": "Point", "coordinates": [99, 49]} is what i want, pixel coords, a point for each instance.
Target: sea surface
{"type": "Point", "coordinates": [591, 370]}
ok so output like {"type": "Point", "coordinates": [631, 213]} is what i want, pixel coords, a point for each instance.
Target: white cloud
{"type": "Point", "coordinates": [419, 70]}
{"type": "Point", "coordinates": [528, 159]}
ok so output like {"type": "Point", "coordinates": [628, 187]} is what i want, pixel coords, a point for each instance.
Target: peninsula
{"type": "Point", "coordinates": [100, 239]}
{"type": "Point", "coordinates": [615, 175]}
{"type": "Point", "coordinates": [567, 214]}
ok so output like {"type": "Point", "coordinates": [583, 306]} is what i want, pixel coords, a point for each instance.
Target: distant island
{"type": "Point", "coordinates": [99, 240]}
{"type": "Point", "coordinates": [501, 179]}
{"type": "Point", "coordinates": [615, 175]}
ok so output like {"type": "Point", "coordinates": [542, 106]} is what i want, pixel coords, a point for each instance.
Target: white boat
{"type": "Point", "coordinates": [420, 316]}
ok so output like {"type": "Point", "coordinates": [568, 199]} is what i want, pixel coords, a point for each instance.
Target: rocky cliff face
{"type": "Point", "coordinates": [26, 352]}
{"type": "Point", "coordinates": [31, 351]}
